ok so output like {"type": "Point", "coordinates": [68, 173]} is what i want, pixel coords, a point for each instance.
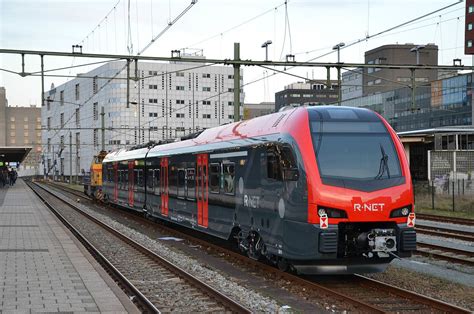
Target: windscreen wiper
{"type": "Point", "coordinates": [383, 165]}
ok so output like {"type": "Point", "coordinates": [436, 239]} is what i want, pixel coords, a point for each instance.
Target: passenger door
{"type": "Point", "coordinates": [202, 190]}
{"type": "Point", "coordinates": [164, 186]}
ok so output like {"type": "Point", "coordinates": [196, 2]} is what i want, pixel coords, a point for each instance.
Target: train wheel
{"type": "Point", "coordinates": [283, 264]}
{"type": "Point", "coordinates": [255, 246]}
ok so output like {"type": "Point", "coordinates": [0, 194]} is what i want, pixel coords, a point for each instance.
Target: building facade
{"type": "Point", "coordinates": [21, 127]}
{"type": "Point", "coordinates": [257, 110]}
{"type": "Point", "coordinates": [314, 92]}
{"type": "Point", "coordinates": [379, 80]}
{"type": "Point", "coordinates": [351, 84]}
{"type": "Point", "coordinates": [439, 106]}
{"type": "Point", "coordinates": [166, 101]}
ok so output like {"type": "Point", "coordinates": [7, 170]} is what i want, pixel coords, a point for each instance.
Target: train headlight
{"type": "Point", "coordinates": [331, 212]}
{"type": "Point", "coordinates": [401, 212]}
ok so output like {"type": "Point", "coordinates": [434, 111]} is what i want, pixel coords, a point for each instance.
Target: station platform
{"type": "Point", "coordinates": [43, 268]}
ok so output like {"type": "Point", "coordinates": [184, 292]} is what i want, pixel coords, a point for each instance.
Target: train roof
{"type": "Point", "coordinates": [251, 132]}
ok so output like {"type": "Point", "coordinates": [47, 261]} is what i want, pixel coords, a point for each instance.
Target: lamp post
{"type": "Point", "coordinates": [265, 45]}
{"type": "Point", "coordinates": [338, 48]}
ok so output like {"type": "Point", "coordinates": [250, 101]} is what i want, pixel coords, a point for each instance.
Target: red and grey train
{"type": "Point", "coordinates": [318, 189]}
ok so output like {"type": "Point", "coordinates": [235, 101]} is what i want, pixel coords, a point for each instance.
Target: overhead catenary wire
{"type": "Point", "coordinates": [235, 26]}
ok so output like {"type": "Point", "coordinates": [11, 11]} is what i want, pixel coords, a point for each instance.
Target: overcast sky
{"type": "Point", "coordinates": [314, 27]}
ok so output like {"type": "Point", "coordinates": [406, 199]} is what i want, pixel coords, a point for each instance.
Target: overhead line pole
{"type": "Point", "coordinates": [236, 83]}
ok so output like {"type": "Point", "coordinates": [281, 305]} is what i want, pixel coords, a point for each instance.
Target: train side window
{"type": "Point", "coordinates": [172, 183]}
{"type": "Point", "coordinates": [140, 177]}
{"type": "Point", "coordinates": [149, 179]}
{"type": "Point", "coordinates": [181, 182]}
{"type": "Point", "coordinates": [191, 183]}
{"type": "Point", "coordinates": [157, 181]}
{"type": "Point", "coordinates": [229, 178]}
{"type": "Point", "coordinates": [273, 164]}
{"type": "Point", "coordinates": [215, 175]}
{"type": "Point", "coordinates": [288, 164]}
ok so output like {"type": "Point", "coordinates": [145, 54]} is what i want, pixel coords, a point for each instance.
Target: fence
{"type": "Point", "coordinates": [445, 194]}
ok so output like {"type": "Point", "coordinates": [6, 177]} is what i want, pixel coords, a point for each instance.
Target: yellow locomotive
{"type": "Point", "coordinates": [93, 183]}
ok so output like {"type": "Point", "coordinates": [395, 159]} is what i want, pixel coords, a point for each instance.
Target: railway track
{"type": "Point", "coordinates": [454, 220]}
{"type": "Point", "coordinates": [359, 293]}
{"type": "Point", "coordinates": [153, 283]}
{"type": "Point", "coordinates": [445, 232]}
{"type": "Point", "coordinates": [445, 253]}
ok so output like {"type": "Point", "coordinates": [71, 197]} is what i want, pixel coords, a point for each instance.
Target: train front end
{"type": "Point", "coordinates": [360, 194]}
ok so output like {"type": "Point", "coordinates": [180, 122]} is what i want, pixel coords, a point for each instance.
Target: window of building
{"type": "Point", "coordinates": [13, 141]}
{"type": "Point", "coordinates": [61, 142]}
{"type": "Point", "coordinates": [231, 116]}
{"type": "Point", "coordinates": [469, 26]}
{"type": "Point", "coordinates": [26, 141]}
{"type": "Point", "coordinates": [206, 102]}
{"type": "Point", "coordinates": [61, 98]}
{"type": "Point", "coordinates": [230, 89]}
{"type": "Point", "coordinates": [153, 100]}
{"type": "Point", "coordinates": [154, 73]}
{"type": "Point", "coordinates": [206, 116]}
{"type": "Point", "coordinates": [206, 89]}
{"type": "Point", "coordinates": [61, 119]}
{"type": "Point", "coordinates": [470, 9]}
{"type": "Point", "coordinates": [469, 43]}
{"type": "Point", "coordinates": [370, 83]}
{"type": "Point", "coordinates": [153, 114]}
{"type": "Point", "coordinates": [230, 77]}
{"type": "Point", "coordinates": [49, 123]}
{"type": "Point", "coordinates": [12, 126]}
{"type": "Point", "coordinates": [49, 144]}
{"type": "Point", "coordinates": [206, 75]}
{"type": "Point", "coordinates": [179, 87]}
{"type": "Point", "coordinates": [152, 86]}
{"type": "Point", "coordinates": [77, 91]}
{"type": "Point", "coordinates": [12, 119]}
{"type": "Point", "coordinates": [38, 119]}
{"type": "Point", "coordinates": [180, 115]}
{"type": "Point", "coordinates": [78, 118]}
{"type": "Point", "coordinates": [179, 101]}
{"type": "Point", "coordinates": [181, 74]}
{"type": "Point", "coordinates": [96, 137]}
{"type": "Point", "coordinates": [230, 103]}
{"type": "Point", "coordinates": [377, 81]}
{"type": "Point", "coordinates": [95, 85]}
{"type": "Point", "coordinates": [26, 126]}
{"type": "Point", "coordinates": [12, 133]}
{"type": "Point", "coordinates": [26, 134]}
{"type": "Point", "coordinates": [38, 134]}
{"type": "Point", "coordinates": [95, 110]}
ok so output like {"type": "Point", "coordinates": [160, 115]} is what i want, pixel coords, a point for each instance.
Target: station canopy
{"type": "Point", "coordinates": [13, 154]}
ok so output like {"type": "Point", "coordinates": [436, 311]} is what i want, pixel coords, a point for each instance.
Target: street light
{"type": "Point", "coordinates": [338, 48]}
{"type": "Point", "coordinates": [417, 50]}
{"type": "Point", "coordinates": [265, 45]}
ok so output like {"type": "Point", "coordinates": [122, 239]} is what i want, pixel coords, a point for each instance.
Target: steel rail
{"type": "Point", "coordinates": [455, 220]}
{"type": "Point", "coordinates": [210, 291]}
{"type": "Point", "coordinates": [429, 250]}
{"type": "Point", "coordinates": [445, 232]}
{"type": "Point", "coordinates": [140, 300]}
{"type": "Point", "coordinates": [433, 303]}
{"type": "Point", "coordinates": [268, 269]}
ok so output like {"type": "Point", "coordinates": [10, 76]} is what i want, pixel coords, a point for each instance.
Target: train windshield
{"type": "Point", "coordinates": [355, 154]}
